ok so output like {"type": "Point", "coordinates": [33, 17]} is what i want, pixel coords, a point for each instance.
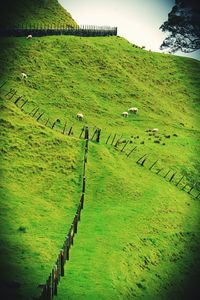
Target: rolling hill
{"type": "Point", "coordinates": [139, 235]}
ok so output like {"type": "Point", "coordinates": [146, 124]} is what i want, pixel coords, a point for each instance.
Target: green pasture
{"type": "Point", "coordinates": [139, 234]}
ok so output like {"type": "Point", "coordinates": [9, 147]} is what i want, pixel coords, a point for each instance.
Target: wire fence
{"type": "Point", "coordinates": [170, 174]}
{"type": "Point", "coordinates": [39, 115]}
{"type": "Point", "coordinates": [50, 287]}
{"type": "Point", "coordinates": [145, 160]}
{"type": "Point", "coordinates": [38, 30]}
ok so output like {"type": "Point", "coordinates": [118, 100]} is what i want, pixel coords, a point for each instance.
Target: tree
{"type": "Point", "coordinates": [183, 26]}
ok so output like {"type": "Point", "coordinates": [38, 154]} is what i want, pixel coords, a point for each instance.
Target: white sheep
{"type": "Point", "coordinates": [125, 114]}
{"type": "Point", "coordinates": [133, 110]}
{"type": "Point", "coordinates": [29, 37]}
{"type": "Point", "coordinates": [79, 116]}
{"type": "Point", "coordinates": [24, 76]}
{"type": "Point", "coordinates": [155, 130]}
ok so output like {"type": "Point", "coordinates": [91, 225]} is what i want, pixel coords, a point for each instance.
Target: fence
{"type": "Point", "coordinates": [38, 30]}
{"type": "Point", "coordinates": [38, 115]}
{"type": "Point", "coordinates": [49, 289]}
{"type": "Point", "coordinates": [179, 180]}
{"type": "Point", "coordinates": [182, 183]}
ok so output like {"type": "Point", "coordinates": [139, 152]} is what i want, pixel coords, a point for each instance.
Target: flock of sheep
{"type": "Point", "coordinates": [79, 116]}
{"type": "Point", "coordinates": [132, 110]}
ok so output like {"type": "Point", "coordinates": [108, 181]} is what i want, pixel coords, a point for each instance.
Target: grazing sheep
{"type": "Point", "coordinates": [29, 37]}
{"type": "Point", "coordinates": [24, 76]}
{"type": "Point", "coordinates": [155, 130]}
{"type": "Point", "coordinates": [79, 116]}
{"type": "Point", "coordinates": [125, 114]}
{"type": "Point", "coordinates": [133, 110]}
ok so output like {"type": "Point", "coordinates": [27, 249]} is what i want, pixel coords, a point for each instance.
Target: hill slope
{"type": "Point", "coordinates": [135, 218]}
{"type": "Point", "coordinates": [29, 12]}
{"type": "Point", "coordinates": [40, 191]}
{"type": "Point", "coordinates": [102, 77]}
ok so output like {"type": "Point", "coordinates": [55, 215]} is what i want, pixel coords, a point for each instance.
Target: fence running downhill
{"type": "Point", "coordinates": [49, 289]}
{"type": "Point", "coordinates": [37, 30]}
{"type": "Point", "coordinates": [170, 175]}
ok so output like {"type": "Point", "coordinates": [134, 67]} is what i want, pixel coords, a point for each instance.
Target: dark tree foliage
{"type": "Point", "coordinates": [183, 26]}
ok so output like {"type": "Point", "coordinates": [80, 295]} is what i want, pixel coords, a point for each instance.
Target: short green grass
{"type": "Point", "coordinates": [102, 77]}
{"type": "Point", "coordinates": [138, 238]}
{"type": "Point", "coordinates": [32, 13]}
{"type": "Point", "coordinates": [40, 191]}
{"type": "Point", "coordinates": [139, 234]}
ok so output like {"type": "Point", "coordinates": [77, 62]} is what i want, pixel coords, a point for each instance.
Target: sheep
{"type": "Point", "coordinates": [155, 130]}
{"type": "Point", "coordinates": [125, 114]}
{"type": "Point", "coordinates": [29, 37]}
{"type": "Point", "coordinates": [24, 76]}
{"type": "Point", "coordinates": [79, 116]}
{"type": "Point", "coordinates": [133, 110]}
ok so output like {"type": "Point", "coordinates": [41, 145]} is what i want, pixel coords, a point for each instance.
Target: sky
{"type": "Point", "coordinates": [137, 20]}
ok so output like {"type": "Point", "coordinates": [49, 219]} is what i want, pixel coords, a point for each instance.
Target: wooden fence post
{"type": "Point", "coordinates": [82, 130]}
{"type": "Point", "coordinates": [3, 84]}
{"type": "Point", "coordinates": [140, 158]}
{"type": "Point", "coordinates": [25, 102]}
{"type": "Point", "coordinates": [183, 188]}
{"type": "Point", "coordinates": [70, 130]}
{"type": "Point", "coordinates": [17, 100]}
{"type": "Point", "coordinates": [54, 123]}
{"type": "Point", "coordinates": [151, 167]}
{"type": "Point", "coordinates": [83, 188]}
{"type": "Point", "coordinates": [75, 223]}
{"type": "Point", "coordinates": [118, 140]}
{"type": "Point", "coordinates": [47, 121]}
{"type": "Point", "coordinates": [171, 178]}
{"type": "Point", "coordinates": [142, 163]}
{"type": "Point", "coordinates": [62, 262]}
{"type": "Point", "coordinates": [82, 201]}
{"type": "Point", "coordinates": [131, 152]}
{"type": "Point", "coordinates": [35, 112]}
{"type": "Point", "coordinates": [10, 91]}
{"type": "Point", "coordinates": [180, 180]}
{"type": "Point", "coordinates": [124, 146]}
{"type": "Point", "coordinates": [159, 170]}
{"type": "Point", "coordinates": [40, 116]}
{"type": "Point", "coordinates": [15, 92]}
{"type": "Point", "coordinates": [167, 174]}
{"type": "Point", "coordinates": [108, 139]}
{"type": "Point", "coordinates": [113, 139]}
{"type": "Point", "coordinates": [64, 127]}
{"type": "Point", "coordinates": [95, 131]}
{"type": "Point", "coordinates": [197, 196]}
{"type": "Point", "coordinates": [49, 289]}
{"type": "Point", "coordinates": [190, 190]}
{"type": "Point", "coordinates": [86, 133]}
{"type": "Point", "coordinates": [68, 247]}
{"type": "Point", "coordinates": [98, 135]}
{"type": "Point", "coordinates": [55, 280]}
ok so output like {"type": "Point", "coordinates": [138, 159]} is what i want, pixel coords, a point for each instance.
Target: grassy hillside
{"type": "Point", "coordinates": [139, 235]}
{"type": "Point", "coordinates": [40, 190]}
{"type": "Point", "coordinates": [104, 77]}
{"type": "Point", "coordinates": [138, 238]}
{"type": "Point", "coordinates": [43, 12]}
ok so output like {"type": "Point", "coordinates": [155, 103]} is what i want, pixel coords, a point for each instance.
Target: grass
{"type": "Point", "coordinates": [139, 235]}
{"type": "Point", "coordinates": [136, 240]}
{"type": "Point", "coordinates": [40, 190]}
{"type": "Point", "coordinates": [28, 12]}
{"type": "Point", "coordinates": [89, 78]}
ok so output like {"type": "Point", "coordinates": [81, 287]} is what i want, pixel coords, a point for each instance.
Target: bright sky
{"type": "Point", "coordinates": [137, 20]}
